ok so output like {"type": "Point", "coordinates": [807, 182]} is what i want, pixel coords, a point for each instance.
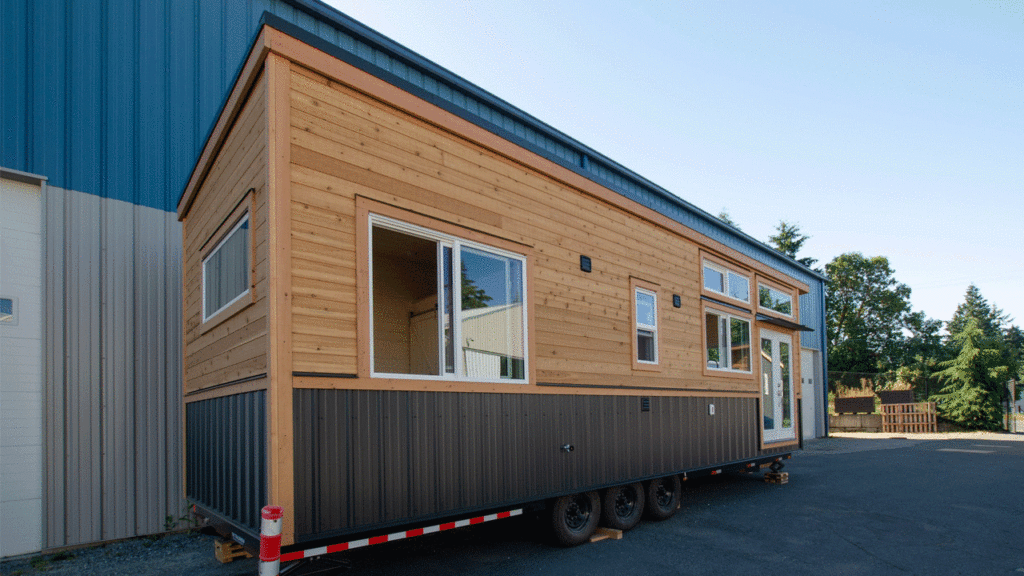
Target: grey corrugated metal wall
{"type": "Point", "coordinates": [112, 369]}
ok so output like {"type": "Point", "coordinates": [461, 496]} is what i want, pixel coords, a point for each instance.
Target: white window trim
{"type": "Point", "coordinates": [248, 287]}
{"type": "Point", "coordinates": [455, 243]}
{"type": "Point", "coordinates": [728, 347]}
{"type": "Point", "coordinates": [792, 302]}
{"type": "Point", "coordinates": [725, 280]}
{"type": "Point", "coordinates": [648, 327]}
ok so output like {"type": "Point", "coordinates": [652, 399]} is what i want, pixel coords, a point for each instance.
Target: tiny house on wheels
{"type": "Point", "coordinates": [407, 302]}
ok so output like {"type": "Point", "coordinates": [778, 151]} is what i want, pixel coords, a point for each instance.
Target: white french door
{"type": "Point", "coordinates": [777, 396]}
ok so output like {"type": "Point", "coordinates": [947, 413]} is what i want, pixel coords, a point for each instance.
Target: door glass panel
{"type": "Point", "coordinates": [449, 303]}
{"type": "Point", "coordinates": [767, 370]}
{"type": "Point", "coordinates": [492, 315]}
{"type": "Point", "coordinates": [787, 409]}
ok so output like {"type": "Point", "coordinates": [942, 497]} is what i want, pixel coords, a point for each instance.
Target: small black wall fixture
{"type": "Point", "coordinates": [677, 302]}
{"type": "Point", "coordinates": [585, 263]}
{"type": "Point", "coordinates": [645, 404]}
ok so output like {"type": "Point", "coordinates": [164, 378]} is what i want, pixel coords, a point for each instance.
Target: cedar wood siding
{"type": "Point", "coordinates": [345, 144]}
{"type": "Point", "coordinates": [232, 348]}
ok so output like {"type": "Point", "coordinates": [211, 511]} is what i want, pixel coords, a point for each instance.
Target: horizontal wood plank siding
{"type": "Point", "coordinates": [234, 348]}
{"type": "Point", "coordinates": [345, 144]}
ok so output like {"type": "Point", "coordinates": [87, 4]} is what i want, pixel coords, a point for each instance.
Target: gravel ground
{"type": "Point", "coordinates": [190, 554]}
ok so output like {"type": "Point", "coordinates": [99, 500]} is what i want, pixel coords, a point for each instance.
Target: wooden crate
{"type": "Point", "coordinates": [908, 418]}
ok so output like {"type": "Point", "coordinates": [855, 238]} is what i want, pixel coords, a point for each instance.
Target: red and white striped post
{"type": "Point", "coordinates": [270, 541]}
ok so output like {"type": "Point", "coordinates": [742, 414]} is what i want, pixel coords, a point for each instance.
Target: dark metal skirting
{"type": "Point", "coordinates": [225, 447]}
{"type": "Point", "coordinates": [370, 458]}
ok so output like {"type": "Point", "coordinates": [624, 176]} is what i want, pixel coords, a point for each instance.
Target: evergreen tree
{"type": "Point", "coordinates": [789, 241]}
{"type": "Point", "coordinates": [973, 381]}
{"type": "Point", "coordinates": [724, 217]}
{"type": "Point", "coordinates": [990, 318]}
{"type": "Point", "coordinates": [472, 295]}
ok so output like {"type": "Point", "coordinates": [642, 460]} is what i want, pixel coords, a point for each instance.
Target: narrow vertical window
{"type": "Point", "coordinates": [227, 270]}
{"type": "Point", "coordinates": [646, 314]}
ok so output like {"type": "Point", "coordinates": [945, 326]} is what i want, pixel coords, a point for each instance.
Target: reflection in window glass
{"type": "Point", "coordinates": [740, 348]}
{"type": "Point", "coordinates": [727, 345]}
{"type": "Point", "coordinates": [646, 310]}
{"type": "Point", "coordinates": [739, 287]}
{"type": "Point", "coordinates": [227, 270]}
{"type": "Point", "coordinates": [767, 401]}
{"type": "Point", "coordinates": [714, 280]}
{"type": "Point", "coordinates": [787, 411]}
{"type": "Point", "coordinates": [6, 310]}
{"type": "Point", "coordinates": [492, 315]}
{"type": "Point", "coordinates": [726, 282]}
{"type": "Point", "coordinates": [773, 299]}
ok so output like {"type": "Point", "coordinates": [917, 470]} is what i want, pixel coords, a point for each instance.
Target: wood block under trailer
{"type": "Point", "coordinates": [228, 551]}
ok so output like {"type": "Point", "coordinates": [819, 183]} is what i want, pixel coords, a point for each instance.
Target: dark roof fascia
{"type": "Point", "coordinates": [388, 46]}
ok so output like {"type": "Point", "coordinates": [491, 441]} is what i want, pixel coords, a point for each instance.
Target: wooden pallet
{"type": "Point", "coordinates": [606, 534]}
{"type": "Point", "coordinates": [909, 418]}
{"type": "Point", "coordinates": [228, 551]}
{"type": "Point", "coordinates": [776, 477]}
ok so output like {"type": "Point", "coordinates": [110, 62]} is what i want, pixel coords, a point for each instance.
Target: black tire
{"type": "Point", "coordinates": [663, 497]}
{"type": "Point", "coordinates": [574, 518]}
{"type": "Point", "coordinates": [622, 506]}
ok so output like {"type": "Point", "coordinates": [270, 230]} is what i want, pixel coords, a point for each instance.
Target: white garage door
{"type": "Point", "coordinates": [21, 408]}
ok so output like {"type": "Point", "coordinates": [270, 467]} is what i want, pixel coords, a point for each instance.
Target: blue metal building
{"type": "Point", "coordinates": [104, 108]}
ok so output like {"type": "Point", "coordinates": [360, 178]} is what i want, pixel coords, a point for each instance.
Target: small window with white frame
{"type": "Point", "coordinates": [443, 307]}
{"type": "Point", "coordinates": [8, 311]}
{"type": "Point", "coordinates": [774, 299]}
{"type": "Point", "coordinates": [727, 342]}
{"type": "Point", "coordinates": [227, 270]}
{"type": "Point", "coordinates": [646, 314]}
{"type": "Point", "coordinates": [726, 282]}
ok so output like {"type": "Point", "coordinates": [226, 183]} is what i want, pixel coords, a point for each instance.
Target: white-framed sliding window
{"type": "Point", "coordinates": [725, 282]}
{"type": "Point", "coordinates": [227, 270]}
{"type": "Point", "coordinates": [771, 298]}
{"type": "Point", "coordinates": [444, 307]}
{"type": "Point", "coordinates": [726, 342]}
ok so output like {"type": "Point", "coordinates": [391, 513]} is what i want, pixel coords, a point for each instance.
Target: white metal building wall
{"type": "Point", "coordinates": [21, 384]}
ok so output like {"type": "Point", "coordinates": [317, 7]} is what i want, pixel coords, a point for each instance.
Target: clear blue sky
{"type": "Point", "coordinates": [888, 128]}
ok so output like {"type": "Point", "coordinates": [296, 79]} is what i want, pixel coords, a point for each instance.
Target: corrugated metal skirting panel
{"type": "Point", "coordinates": [381, 457]}
{"type": "Point", "coordinates": [112, 369]}
{"type": "Point", "coordinates": [226, 456]}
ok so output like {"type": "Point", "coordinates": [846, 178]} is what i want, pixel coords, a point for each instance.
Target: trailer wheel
{"type": "Point", "coordinates": [622, 506]}
{"type": "Point", "coordinates": [663, 497]}
{"type": "Point", "coordinates": [574, 518]}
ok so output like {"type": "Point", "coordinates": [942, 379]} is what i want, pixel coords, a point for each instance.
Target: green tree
{"type": "Point", "coordinates": [789, 241]}
{"type": "Point", "coordinates": [724, 217]}
{"type": "Point", "coordinates": [973, 381]}
{"type": "Point", "coordinates": [990, 318]}
{"type": "Point", "coordinates": [472, 295]}
{"type": "Point", "coordinates": [866, 310]}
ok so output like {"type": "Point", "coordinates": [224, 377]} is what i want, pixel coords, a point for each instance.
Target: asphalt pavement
{"type": "Point", "coordinates": [921, 504]}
